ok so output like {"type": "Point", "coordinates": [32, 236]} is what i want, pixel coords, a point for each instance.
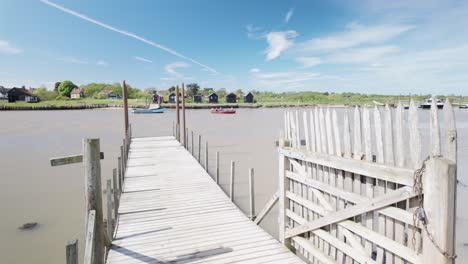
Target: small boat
{"type": "Point", "coordinates": [222, 111]}
{"type": "Point", "coordinates": [149, 111]}
{"type": "Point", "coordinates": [427, 104]}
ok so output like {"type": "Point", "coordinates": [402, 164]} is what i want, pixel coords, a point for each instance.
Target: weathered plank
{"type": "Point", "coordinates": [69, 160]}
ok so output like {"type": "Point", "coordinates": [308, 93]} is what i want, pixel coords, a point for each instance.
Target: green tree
{"type": "Point", "coordinates": [45, 95]}
{"type": "Point", "coordinates": [221, 92]}
{"type": "Point", "coordinates": [192, 89]}
{"type": "Point", "coordinates": [239, 93]}
{"type": "Point", "coordinates": [65, 88]}
{"type": "Point", "coordinates": [171, 89]}
{"type": "Point", "coordinates": [207, 91]}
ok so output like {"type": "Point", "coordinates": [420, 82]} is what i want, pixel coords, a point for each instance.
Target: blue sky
{"type": "Point", "coordinates": [391, 47]}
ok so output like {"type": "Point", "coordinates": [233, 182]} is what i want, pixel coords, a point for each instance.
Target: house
{"type": "Point", "coordinates": [198, 98]}
{"type": "Point", "coordinates": [231, 98]}
{"type": "Point", "coordinates": [3, 93]}
{"type": "Point", "coordinates": [172, 98]}
{"type": "Point", "coordinates": [157, 99]}
{"type": "Point", "coordinates": [110, 94]}
{"type": "Point", "coordinates": [249, 98]}
{"type": "Point", "coordinates": [76, 93]}
{"type": "Point", "coordinates": [21, 94]}
{"type": "Point", "coordinates": [213, 98]}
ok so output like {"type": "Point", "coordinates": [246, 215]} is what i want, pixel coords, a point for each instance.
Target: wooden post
{"type": "Point", "coordinates": [125, 105]}
{"type": "Point", "coordinates": [124, 151]}
{"type": "Point", "coordinates": [206, 156]}
{"type": "Point", "coordinates": [109, 207]}
{"type": "Point", "coordinates": [231, 183]}
{"type": "Point", "coordinates": [440, 186]}
{"type": "Point", "coordinates": [192, 144]}
{"type": "Point", "coordinates": [116, 195]}
{"type": "Point", "coordinates": [183, 115]}
{"type": "Point", "coordinates": [251, 195]}
{"type": "Point", "coordinates": [199, 148]}
{"type": "Point", "coordinates": [173, 129]}
{"type": "Point", "coordinates": [177, 114]}
{"type": "Point", "coordinates": [92, 166]}
{"type": "Point", "coordinates": [119, 170]}
{"type": "Point", "coordinates": [72, 252]}
{"type": "Point", "coordinates": [186, 139]}
{"type": "Point", "coordinates": [217, 167]}
{"type": "Point", "coordinates": [122, 155]}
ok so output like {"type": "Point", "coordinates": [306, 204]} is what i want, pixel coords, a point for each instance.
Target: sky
{"type": "Point", "coordinates": [368, 46]}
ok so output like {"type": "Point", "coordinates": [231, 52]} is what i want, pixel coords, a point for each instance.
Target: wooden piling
{"type": "Point", "coordinates": [72, 252]}
{"type": "Point", "coordinates": [251, 195]}
{"type": "Point", "coordinates": [206, 156]}
{"type": "Point", "coordinates": [183, 115]}
{"type": "Point", "coordinates": [186, 139]}
{"type": "Point", "coordinates": [177, 114]}
{"type": "Point", "coordinates": [116, 192]}
{"type": "Point", "coordinates": [125, 105]}
{"type": "Point", "coordinates": [119, 172]}
{"type": "Point", "coordinates": [92, 166]}
{"type": "Point", "coordinates": [199, 148]}
{"type": "Point", "coordinates": [231, 183]}
{"type": "Point", "coordinates": [217, 167]}
{"type": "Point", "coordinates": [109, 208]}
{"type": "Point", "coordinates": [192, 144]}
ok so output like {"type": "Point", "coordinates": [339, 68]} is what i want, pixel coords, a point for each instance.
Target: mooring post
{"type": "Point", "coordinates": [72, 252]}
{"type": "Point", "coordinates": [116, 193]}
{"type": "Point", "coordinates": [206, 156]}
{"type": "Point", "coordinates": [177, 114]}
{"type": "Point", "coordinates": [231, 184]}
{"type": "Point", "coordinates": [183, 115]}
{"type": "Point", "coordinates": [440, 188]}
{"type": "Point", "coordinates": [125, 105]}
{"type": "Point", "coordinates": [124, 152]}
{"type": "Point", "coordinates": [122, 161]}
{"type": "Point", "coordinates": [217, 167]}
{"type": "Point", "coordinates": [109, 208]}
{"type": "Point", "coordinates": [199, 148]}
{"type": "Point", "coordinates": [192, 144]}
{"type": "Point", "coordinates": [119, 170]}
{"type": "Point", "coordinates": [92, 166]}
{"type": "Point", "coordinates": [251, 195]}
{"type": "Point", "coordinates": [186, 139]}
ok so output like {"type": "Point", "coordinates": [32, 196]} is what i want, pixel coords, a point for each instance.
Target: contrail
{"type": "Point", "coordinates": [126, 33]}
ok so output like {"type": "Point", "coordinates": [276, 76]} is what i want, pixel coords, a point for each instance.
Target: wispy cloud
{"type": "Point", "coordinates": [143, 59]}
{"type": "Point", "coordinates": [355, 34]}
{"type": "Point", "coordinates": [288, 15]}
{"type": "Point", "coordinates": [126, 33]}
{"type": "Point", "coordinates": [278, 42]}
{"type": "Point", "coordinates": [171, 68]}
{"type": "Point", "coordinates": [362, 55]}
{"type": "Point", "coordinates": [73, 60]}
{"type": "Point", "coordinates": [253, 70]}
{"type": "Point", "coordinates": [9, 49]}
{"type": "Point", "coordinates": [254, 32]}
{"type": "Point", "coordinates": [308, 61]}
{"type": "Point", "coordinates": [102, 63]}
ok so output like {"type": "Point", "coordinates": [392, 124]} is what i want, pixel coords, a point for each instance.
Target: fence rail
{"type": "Point", "coordinates": [360, 191]}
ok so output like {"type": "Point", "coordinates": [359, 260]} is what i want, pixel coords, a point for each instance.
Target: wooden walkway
{"type": "Point", "coordinates": [171, 211]}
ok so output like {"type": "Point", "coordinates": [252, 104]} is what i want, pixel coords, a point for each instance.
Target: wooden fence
{"type": "Point", "coordinates": [360, 191]}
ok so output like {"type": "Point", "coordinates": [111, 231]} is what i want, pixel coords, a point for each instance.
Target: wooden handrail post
{"type": "Point", "coordinates": [206, 156]}
{"type": "Point", "coordinates": [217, 167]}
{"type": "Point", "coordinates": [192, 144]}
{"type": "Point", "coordinates": [440, 188]}
{"type": "Point", "coordinates": [199, 148]}
{"type": "Point", "coordinates": [251, 195]}
{"type": "Point", "coordinates": [119, 170]}
{"type": "Point", "coordinates": [125, 105]}
{"type": "Point", "coordinates": [177, 114]}
{"type": "Point", "coordinates": [122, 161]}
{"type": "Point", "coordinates": [282, 184]}
{"type": "Point", "coordinates": [90, 256]}
{"type": "Point", "coordinates": [92, 166]}
{"type": "Point", "coordinates": [231, 183]}
{"type": "Point", "coordinates": [183, 115]}
{"type": "Point", "coordinates": [109, 208]}
{"type": "Point", "coordinates": [116, 193]}
{"type": "Point", "coordinates": [72, 252]}
{"type": "Point", "coordinates": [186, 139]}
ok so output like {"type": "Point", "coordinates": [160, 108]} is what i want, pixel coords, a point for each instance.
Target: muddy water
{"type": "Point", "coordinates": [32, 191]}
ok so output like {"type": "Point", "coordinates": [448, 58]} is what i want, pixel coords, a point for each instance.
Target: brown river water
{"type": "Point", "coordinates": [32, 191]}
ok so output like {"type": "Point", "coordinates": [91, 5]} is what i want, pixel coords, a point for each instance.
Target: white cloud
{"type": "Point", "coordinates": [289, 15]}
{"type": "Point", "coordinates": [253, 70]}
{"type": "Point", "coordinates": [278, 42]}
{"type": "Point", "coordinates": [7, 48]}
{"type": "Point", "coordinates": [102, 63]}
{"type": "Point", "coordinates": [254, 32]}
{"type": "Point", "coordinates": [143, 59]}
{"type": "Point", "coordinates": [362, 55]}
{"type": "Point", "coordinates": [308, 61]}
{"type": "Point", "coordinates": [282, 80]}
{"type": "Point", "coordinates": [171, 68]}
{"type": "Point", "coordinates": [355, 34]}
{"type": "Point", "coordinates": [126, 33]}
{"type": "Point", "coordinates": [73, 60]}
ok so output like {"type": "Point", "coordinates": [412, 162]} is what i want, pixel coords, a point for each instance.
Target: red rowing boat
{"type": "Point", "coordinates": [222, 111]}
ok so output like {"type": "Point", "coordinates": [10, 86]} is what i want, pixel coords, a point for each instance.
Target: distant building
{"type": "Point", "coordinates": [110, 94]}
{"type": "Point", "coordinates": [172, 98]}
{"type": "Point", "coordinates": [21, 94]}
{"type": "Point", "coordinates": [198, 98]}
{"type": "Point", "coordinates": [3, 93]}
{"type": "Point", "coordinates": [249, 98]}
{"type": "Point", "coordinates": [213, 98]}
{"type": "Point", "coordinates": [231, 98]}
{"type": "Point", "coordinates": [157, 99]}
{"type": "Point", "coordinates": [76, 93]}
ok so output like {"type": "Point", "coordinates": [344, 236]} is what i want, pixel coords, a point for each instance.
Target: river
{"type": "Point", "coordinates": [33, 191]}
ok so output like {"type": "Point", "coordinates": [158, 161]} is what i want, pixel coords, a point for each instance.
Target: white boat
{"type": "Point", "coordinates": [427, 104]}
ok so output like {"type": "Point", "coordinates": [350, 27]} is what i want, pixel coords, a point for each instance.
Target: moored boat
{"type": "Point", "coordinates": [148, 111]}
{"type": "Point", "coordinates": [222, 111]}
{"type": "Point", "coordinates": [427, 104]}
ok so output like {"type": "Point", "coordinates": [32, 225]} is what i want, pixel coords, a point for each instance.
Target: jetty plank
{"type": "Point", "coordinates": [172, 211]}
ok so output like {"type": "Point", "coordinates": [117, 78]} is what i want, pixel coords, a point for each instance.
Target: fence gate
{"type": "Point", "coordinates": [360, 191]}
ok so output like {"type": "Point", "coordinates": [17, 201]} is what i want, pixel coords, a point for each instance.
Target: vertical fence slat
{"type": "Point", "coordinates": [217, 167]}
{"type": "Point", "coordinates": [231, 183]}
{"type": "Point", "coordinates": [415, 137]}
{"type": "Point", "coordinates": [312, 132]}
{"type": "Point", "coordinates": [331, 173]}
{"type": "Point", "coordinates": [369, 187]}
{"type": "Point", "coordinates": [109, 208]}
{"type": "Point", "coordinates": [306, 130]}
{"type": "Point", "coordinates": [116, 193]}
{"type": "Point", "coordinates": [339, 177]}
{"type": "Point", "coordinates": [199, 149]}
{"type": "Point", "coordinates": [390, 160]}
{"type": "Point", "coordinates": [435, 130]}
{"type": "Point", "coordinates": [451, 131]}
{"type": "Point", "coordinates": [399, 136]}
{"type": "Point", "coordinates": [317, 131]}
{"type": "Point", "coordinates": [298, 139]}
{"type": "Point", "coordinates": [206, 156]}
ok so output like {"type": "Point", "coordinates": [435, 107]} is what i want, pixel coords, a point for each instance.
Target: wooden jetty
{"type": "Point", "coordinates": [172, 211]}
